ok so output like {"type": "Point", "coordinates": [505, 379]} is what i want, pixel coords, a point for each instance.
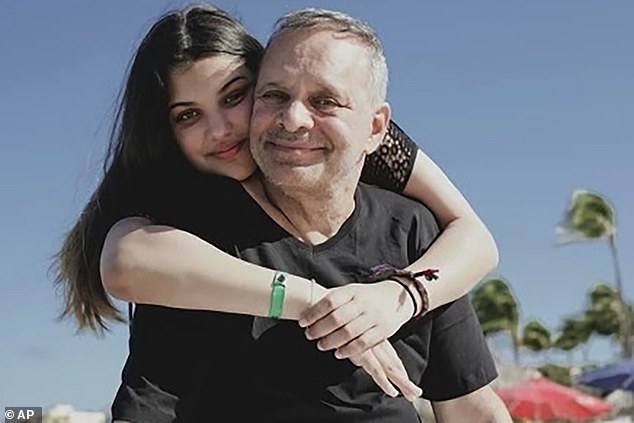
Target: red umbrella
{"type": "Point", "coordinates": [542, 399]}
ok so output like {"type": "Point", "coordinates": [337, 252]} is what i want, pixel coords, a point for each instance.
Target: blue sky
{"type": "Point", "coordinates": [519, 102]}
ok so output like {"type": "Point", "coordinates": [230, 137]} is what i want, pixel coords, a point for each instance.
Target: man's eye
{"type": "Point", "coordinates": [186, 116]}
{"type": "Point", "coordinates": [325, 103]}
{"type": "Point", "coordinates": [273, 97]}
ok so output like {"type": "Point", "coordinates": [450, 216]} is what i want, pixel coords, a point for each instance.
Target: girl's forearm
{"type": "Point", "coordinates": [463, 254]}
{"type": "Point", "coordinates": [152, 264]}
{"type": "Point", "coordinates": [465, 250]}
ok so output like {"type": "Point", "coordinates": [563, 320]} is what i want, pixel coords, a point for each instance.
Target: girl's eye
{"type": "Point", "coordinates": [186, 116]}
{"type": "Point", "coordinates": [273, 97]}
{"type": "Point", "coordinates": [234, 98]}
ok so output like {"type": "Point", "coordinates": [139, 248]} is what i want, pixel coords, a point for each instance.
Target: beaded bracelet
{"type": "Point", "coordinates": [387, 271]}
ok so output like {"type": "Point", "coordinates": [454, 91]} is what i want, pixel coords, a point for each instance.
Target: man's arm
{"type": "Point", "coordinates": [480, 406]}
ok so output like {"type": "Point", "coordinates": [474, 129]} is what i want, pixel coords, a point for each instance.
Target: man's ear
{"type": "Point", "coordinates": [380, 121]}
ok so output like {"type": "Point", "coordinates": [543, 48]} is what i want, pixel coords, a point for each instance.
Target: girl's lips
{"type": "Point", "coordinates": [230, 152]}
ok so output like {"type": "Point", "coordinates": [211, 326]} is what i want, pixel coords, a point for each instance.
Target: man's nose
{"type": "Point", "coordinates": [296, 116]}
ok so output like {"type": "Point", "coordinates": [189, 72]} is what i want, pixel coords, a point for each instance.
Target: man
{"type": "Point", "coordinates": [319, 110]}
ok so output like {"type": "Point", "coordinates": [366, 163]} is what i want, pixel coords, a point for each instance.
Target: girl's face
{"type": "Point", "coordinates": [209, 109]}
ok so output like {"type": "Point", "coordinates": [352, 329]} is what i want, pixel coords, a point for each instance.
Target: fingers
{"type": "Point", "coordinates": [355, 330]}
{"type": "Point", "coordinates": [372, 366]}
{"type": "Point", "coordinates": [330, 302]}
{"type": "Point", "coordinates": [339, 318]}
{"type": "Point", "coordinates": [395, 370]}
{"type": "Point", "coordinates": [370, 337]}
{"type": "Point", "coordinates": [386, 369]}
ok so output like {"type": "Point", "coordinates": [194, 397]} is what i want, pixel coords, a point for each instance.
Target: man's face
{"type": "Point", "coordinates": [314, 118]}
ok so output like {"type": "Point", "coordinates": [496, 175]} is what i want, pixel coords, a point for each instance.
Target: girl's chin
{"type": "Point", "coordinates": [243, 172]}
{"type": "Point", "coordinates": [239, 170]}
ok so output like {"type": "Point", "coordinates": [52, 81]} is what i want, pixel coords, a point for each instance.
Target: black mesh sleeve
{"type": "Point", "coordinates": [390, 166]}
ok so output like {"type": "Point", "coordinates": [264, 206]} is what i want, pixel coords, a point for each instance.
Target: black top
{"type": "Point", "coordinates": [173, 352]}
{"type": "Point", "coordinates": [390, 166]}
{"type": "Point", "coordinates": [292, 381]}
{"type": "Point", "coordinates": [186, 365]}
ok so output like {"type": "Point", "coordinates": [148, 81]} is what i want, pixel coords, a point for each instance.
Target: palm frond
{"type": "Point", "coordinates": [589, 216]}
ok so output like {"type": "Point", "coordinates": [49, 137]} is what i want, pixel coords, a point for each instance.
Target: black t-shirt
{"type": "Point", "coordinates": [180, 358]}
{"type": "Point", "coordinates": [174, 352]}
{"type": "Point", "coordinates": [292, 381]}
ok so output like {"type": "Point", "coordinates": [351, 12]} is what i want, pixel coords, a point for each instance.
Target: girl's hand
{"type": "Point", "coordinates": [356, 317]}
{"type": "Point", "coordinates": [385, 367]}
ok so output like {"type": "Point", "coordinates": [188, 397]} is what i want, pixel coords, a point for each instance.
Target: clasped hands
{"type": "Point", "coordinates": [356, 321]}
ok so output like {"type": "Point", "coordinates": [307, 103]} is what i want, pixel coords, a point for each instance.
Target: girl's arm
{"type": "Point", "coordinates": [465, 250]}
{"type": "Point", "coordinates": [154, 264]}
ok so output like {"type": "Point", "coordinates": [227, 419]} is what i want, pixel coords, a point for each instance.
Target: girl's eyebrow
{"type": "Point", "coordinates": [223, 88]}
{"type": "Point", "coordinates": [180, 103]}
{"type": "Point", "coordinates": [231, 81]}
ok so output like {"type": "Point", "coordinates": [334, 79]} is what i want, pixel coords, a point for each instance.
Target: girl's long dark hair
{"type": "Point", "coordinates": [143, 159]}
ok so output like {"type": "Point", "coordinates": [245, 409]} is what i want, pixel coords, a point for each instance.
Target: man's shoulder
{"type": "Point", "coordinates": [398, 206]}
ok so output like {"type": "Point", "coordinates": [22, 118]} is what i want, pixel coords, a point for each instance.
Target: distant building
{"type": "Point", "coordinates": [64, 413]}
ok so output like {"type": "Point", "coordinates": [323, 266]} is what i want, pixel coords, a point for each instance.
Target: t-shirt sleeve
{"type": "Point", "coordinates": [390, 166]}
{"type": "Point", "coordinates": [459, 359]}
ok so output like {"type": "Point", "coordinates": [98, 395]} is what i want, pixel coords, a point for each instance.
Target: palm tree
{"type": "Point", "coordinates": [591, 217]}
{"type": "Point", "coordinates": [497, 310]}
{"type": "Point", "coordinates": [535, 336]}
{"type": "Point", "coordinates": [603, 311]}
{"type": "Point", "coordinates": [601, 317]}
{"type": "Point", "coordinates": [574, 331]}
